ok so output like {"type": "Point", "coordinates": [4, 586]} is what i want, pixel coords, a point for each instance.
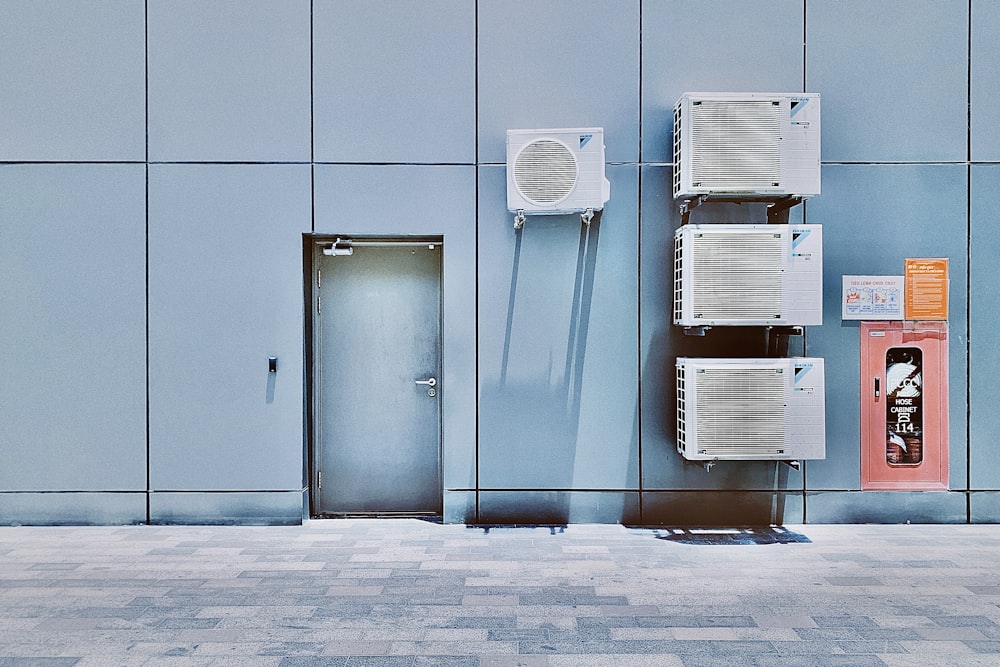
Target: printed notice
{"type": "Point", "coordinates": [927, 289]}
{"type": "Point", "coordinates": [872, 298]}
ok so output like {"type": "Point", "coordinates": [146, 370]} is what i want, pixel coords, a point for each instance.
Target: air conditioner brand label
{"type": "Point", "coordinates": [585, 139]}
{"type": "Point", "coordinates": [798, 104]}
{"type": "Point", "coordinates": [801, 370]}
{"type": "Point", "coordinates": [798, 236]}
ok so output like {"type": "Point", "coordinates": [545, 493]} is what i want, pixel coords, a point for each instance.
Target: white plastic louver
{"type": "Point", "coordinates": [738, 144]}
{"type": "Point", "coordinates": [748, 275]}
{"type": "Point", "coordinates": [751, 409]}
{"type": "Point", "coordinates": [553, 172]}
{"type": "Point", "coordinates": [747, 144]}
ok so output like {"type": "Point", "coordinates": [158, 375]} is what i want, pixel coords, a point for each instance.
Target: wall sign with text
{"type": "Point", "coordinates": [927, 289]}
{"type": "Point", "coordinates": [872, 298]}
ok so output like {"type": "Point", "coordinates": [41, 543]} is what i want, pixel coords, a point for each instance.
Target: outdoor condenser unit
{"type": "Point", "coordinates": [748, 275]}
{"type": "Point", "coordinates": [751, 409]}
{"type": "Point", "coordinates": [552, 172]}
{"type": "Point", "coordinates": [747, 145]}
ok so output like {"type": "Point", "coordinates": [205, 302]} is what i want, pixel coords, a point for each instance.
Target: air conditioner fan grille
{"type": "Point", "coordinates": [741, 411]}
{"type": "Point", "coordinates": [545, 172]}
{"type": "Point", "coordinates": [737, 276]}
{"type": "Point", "coordinates": [736, 145]}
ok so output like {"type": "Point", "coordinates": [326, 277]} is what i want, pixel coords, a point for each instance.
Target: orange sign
{"type": "Point", "coordinates": [927, 289]}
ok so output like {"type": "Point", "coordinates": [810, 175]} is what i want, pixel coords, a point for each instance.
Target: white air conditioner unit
{"type": "Point", "coordinates": [748, 275]}
{"type": "Point", "coordinates": [747, 145]}
{"type": "Point", "coordinates": [553, 172]}
{"type": "Point", "coordinates": [751, 409]}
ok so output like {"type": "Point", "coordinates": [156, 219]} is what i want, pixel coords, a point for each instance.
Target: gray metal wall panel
{"type": "Point", "coordinates": [68, 508]}
{"type": "Point", "coordinates": [424, 200]}
{"type": "Point", "coordinates": [874, 217]}
{"type": "Point", "coordinates": [984, 344]}
{"type": "Point", "coordinates": [656, 334]}
{"type": "Point", "coordinates": [984, 95]}
{"type": "Point", "coordinates": [885, 507]}
{"type": "Point", "coordinates": [394, 82]}
{"type": "Point", "coordinates": [897, 94]}
{"type": "Point", "coordinates": [245, 508]}
{"type": "Point", "coordinates": [557, 343]}
{"type": "Point", "coordinates": [558, 507]}
{"type": "Point", "coordinates": [229, 80]}
{"type": "Point", "coordinates": [884, 97]}
{"type": "Point", "coordinates": [753, 47]}
{"type": "Point", "coordinates": [984, 507]}
{"type": "Point", "coordinates": [721, 508]}
{"type": "Point", "coordinates": [225, 293]}
{"type": "Point", "coordinates": [459, 507]}
{"type": "Point", "coordinates": [73, 395]}
{"type": "Point", "coordinates": [561, 63]}
{"type": "Point", "coordinates": [72, 80]}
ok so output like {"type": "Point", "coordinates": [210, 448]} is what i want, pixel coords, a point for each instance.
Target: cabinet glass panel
{"type": "Point", "coordinates": [904, 406]}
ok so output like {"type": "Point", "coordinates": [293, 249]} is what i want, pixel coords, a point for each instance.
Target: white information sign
{"type": "Point", "coordinates": [872, 298]}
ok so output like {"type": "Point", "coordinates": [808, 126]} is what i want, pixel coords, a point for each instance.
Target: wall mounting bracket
{"type": "Point", "coordinates": [777, 207]}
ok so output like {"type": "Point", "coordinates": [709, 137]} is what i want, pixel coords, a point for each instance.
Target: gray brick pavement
{"type": "Point", "coordinates": [406, 592]}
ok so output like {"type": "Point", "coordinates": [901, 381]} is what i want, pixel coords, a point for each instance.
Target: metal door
{"type": "Point", "coordinates": [377, 338]}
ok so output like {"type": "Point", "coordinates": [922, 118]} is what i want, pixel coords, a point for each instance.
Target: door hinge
{"type": "Point", "coordinates": [319, 278]}
{"type": "Point", "coordinates": [319, 305]}
{"type": "Point", "coordinates": [319, 479]}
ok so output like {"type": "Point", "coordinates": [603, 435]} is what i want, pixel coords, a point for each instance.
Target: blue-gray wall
{"type": "Point", "coordinates": [160, 161]}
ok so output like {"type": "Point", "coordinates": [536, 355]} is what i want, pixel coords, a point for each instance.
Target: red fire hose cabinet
{"type": "Point", "coordinates": [904, 406]}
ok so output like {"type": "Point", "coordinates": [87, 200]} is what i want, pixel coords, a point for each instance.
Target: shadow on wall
{"type": "Point", "coordinates": [677, 492]}
{"type": "Point", "coordinates": [746, 493]}
{"type": "Point", "coordinates": [579, 320]}
{"type": "Point", "coordinates": [530, 414]}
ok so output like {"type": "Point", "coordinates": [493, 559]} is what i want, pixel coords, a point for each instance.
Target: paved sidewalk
{"type": "Point", "coordinates": [405, 592]}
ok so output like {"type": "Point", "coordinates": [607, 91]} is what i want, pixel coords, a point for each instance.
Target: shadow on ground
{"type": "Point", "coordinates": [732, 536]}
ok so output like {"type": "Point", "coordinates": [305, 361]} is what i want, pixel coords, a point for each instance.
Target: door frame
{"type": "Point", "coordinates": [312, 244]}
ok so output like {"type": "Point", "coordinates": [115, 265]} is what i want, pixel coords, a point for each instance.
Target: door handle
{"type": "Point", "coordinates": [430, 382]}
{"type": "Point", "coordinates": [877, 390]}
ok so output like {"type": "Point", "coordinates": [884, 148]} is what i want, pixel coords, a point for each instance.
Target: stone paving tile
{"type": "Point", "coordinates": [869, 647]}
{"type": "Point", "coordinates": [402, 592]}
{"type": "Point", "coordinates": [949, 634]}
{"type": "Point", "coordinates": [824, 661]}
{"type": "Point", "coordinates": [38, 662]}
{"type": "Point", "coordinates": [918, 660]}
{"type": "Point", "coordinates": [612, 660]}
{"type": "Point", "coordinates": [984, 646]}
{"type": "Point", "coordinates": [965, 621]}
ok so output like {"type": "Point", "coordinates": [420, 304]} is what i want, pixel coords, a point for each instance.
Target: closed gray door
{"type": "Point", "coordinates": [378, 381]}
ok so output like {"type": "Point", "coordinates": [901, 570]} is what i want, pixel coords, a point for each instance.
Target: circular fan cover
{"type": "Point", "coordinates": [545, 172]}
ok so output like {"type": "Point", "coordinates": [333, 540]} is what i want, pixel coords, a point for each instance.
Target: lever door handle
{"type": "Point", "coordinates": [430, 382]}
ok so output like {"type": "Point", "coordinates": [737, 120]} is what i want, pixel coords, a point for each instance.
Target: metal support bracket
{"type": "Point", "coordinates": [777, 207]}
{"type": "Point", "coordinates": [689, 205]}
{"type": "Point", "coordinates": [793, 464]}
{"type": "Point", "coordinates": [519, 219]}
{"type": "Point", "coordinates": [587, 216]}
{"type": "Point", "coordinates": [777, 212]}
{"type": "Point", "coordinates": [777, 339]}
